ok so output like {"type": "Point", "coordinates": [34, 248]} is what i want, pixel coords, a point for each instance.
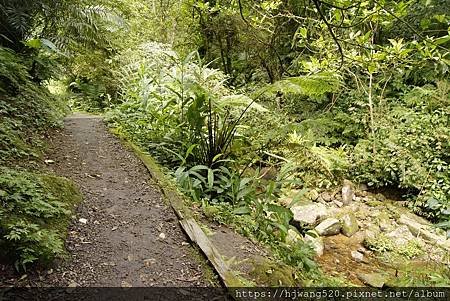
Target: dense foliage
{"type": "Point", "coordinates": [37, 40]}
{"type": "Point", "coordinates": [34, 215]}
{"type": "Point", "coordinates": [339, 90]}
{"type": "Point", "coordinates": [26, 107]}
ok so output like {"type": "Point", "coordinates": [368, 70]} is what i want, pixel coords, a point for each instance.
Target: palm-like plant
{"type": "Point", "coordinates": [65, 22]}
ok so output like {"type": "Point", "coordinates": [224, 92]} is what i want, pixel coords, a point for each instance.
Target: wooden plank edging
{"type": "Point", "coordinates": [199, 237]}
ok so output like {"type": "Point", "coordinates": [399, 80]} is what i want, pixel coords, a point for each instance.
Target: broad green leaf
{"type": "Point", "coordinates": [199, 167]}
{"type": "Point", "coordinates": [210, 178]}
{"type": "Point", "coordinates": [442, 40]}
{"type": "Point", "coordinates": [372, 68]}
{"type": "Point", "coordinates": [242, 210]}
{"type": "Point", "coordinates": [34, 43]}
{"type": "Point", "coordinates": [304, 32]}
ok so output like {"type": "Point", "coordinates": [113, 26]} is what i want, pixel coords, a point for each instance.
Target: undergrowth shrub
{"type": "Point", "coordinates": [34, 215]}
{"type": "Point", "coordinates": [183, 114]}
{"type": "Point", "coordinates": [218, 185]}
{"type": "Point", "coordinates": [411, 150]}
{"type": "Point", "coordinates": [26, 108]}
{"type": "Point", "coordinates": [181, 110]}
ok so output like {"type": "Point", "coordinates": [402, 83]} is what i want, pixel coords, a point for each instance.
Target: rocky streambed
{"type": "Point", "coordinates": [368, 239]}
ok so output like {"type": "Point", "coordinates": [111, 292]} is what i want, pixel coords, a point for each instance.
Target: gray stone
{"type": "Point", "coordinates": [357, 256]}
{"type": "Point", "coordinates": [316, 243]}
{"type": "Point", "coordinates": [349, 224]}
{"type": "Point", "coordinates": [384, 221]}
{"type": "Point", "coordinates": [421, 230]}
{"type": "Point", "coordinates": [416, 218]}
{"type": "Point", "coordinates": [372, 232]}
{"type": "Point", "coordinates": [416, 228]}
{"type": "Point", "coordinates": [347, 192]}
{"type": "Point", "coordinates": [363, 250]}
{"type": "Point", "coordinates": [384, 226]}
{"type": "Point", "coordinates": [444, 244]}
{"type": "Point", "coordinates": [330, 226]}
{"type": "Point", "coordinates": [308, 213]}
{"type": "Point", "coordinates": [401, 236]}
{"type": "Point", "coordinates": [373, 280]}
{"type": "Point", "coordinates": [359, 237]}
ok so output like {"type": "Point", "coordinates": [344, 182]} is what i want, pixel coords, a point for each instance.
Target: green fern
{"type": "Point", "coordinates": [64, 23]}
{"type": "Point", "coordinates": [309, 85]}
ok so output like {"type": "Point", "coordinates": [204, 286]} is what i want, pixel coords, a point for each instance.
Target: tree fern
{"type": "Point", "coordinates": [309, 85]}
{"type": "Point", "coordinates": [62, 22]}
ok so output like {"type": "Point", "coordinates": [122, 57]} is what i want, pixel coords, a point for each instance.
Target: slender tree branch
{"type": "Point", "coordinates": [330, 29]}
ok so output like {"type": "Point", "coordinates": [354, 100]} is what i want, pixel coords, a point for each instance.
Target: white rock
{"type": "Point", "coordinates": [373, 280]}
{"type": "Point", "coordinates": [162, 236]}
{"type": "Point", "coordinates": [330, 226]}
{"type": "Point", "coordinates": [357, 256]}
{"type": "Point", "coordinates": [83, 221]}
{"type": "Point", "coordinates": [371, 231]}
{"type": "Point", "coordinates": [316, 243]}
{"type": "Point", "coordinates": [347, 192]}
{"type": "Point", "coordinates": [401, 235]}
{"type": "Point", "coordinates": [125, 284]}
{"type": "Point", "coordinates": [73, 284]}
{"type": "Point", "coordinates": [149, 262]}
{"type": "Point", "coordinates": [309, 213]}
{"type": "Point", "coordinates": [423, 231]}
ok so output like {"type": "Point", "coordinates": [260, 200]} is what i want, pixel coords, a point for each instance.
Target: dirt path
{"type": "Point", "coordinates": [131, 237]}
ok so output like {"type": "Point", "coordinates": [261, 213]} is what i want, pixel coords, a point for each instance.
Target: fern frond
{"type": "Point", "coordinates": [309, 85]}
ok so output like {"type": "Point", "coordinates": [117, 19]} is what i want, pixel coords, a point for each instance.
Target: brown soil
{"type": "Point", "coordinates": [131, 237]}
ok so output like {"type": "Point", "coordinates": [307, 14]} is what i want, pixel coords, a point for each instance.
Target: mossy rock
{"type": "Point", "coordinates": [269, 273]}
{"type": "Point", "coordinates": [373, 203]}
{"type": "Point", "coordinates": [42, 215]}
{"type": "Point", "coordinates": [65, 191]}
{"type": "Point", "coordinates": [349, 224]}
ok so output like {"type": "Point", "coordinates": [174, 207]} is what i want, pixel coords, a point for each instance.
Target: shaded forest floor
{"type": "Point", "coordinates": [124, 234]}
